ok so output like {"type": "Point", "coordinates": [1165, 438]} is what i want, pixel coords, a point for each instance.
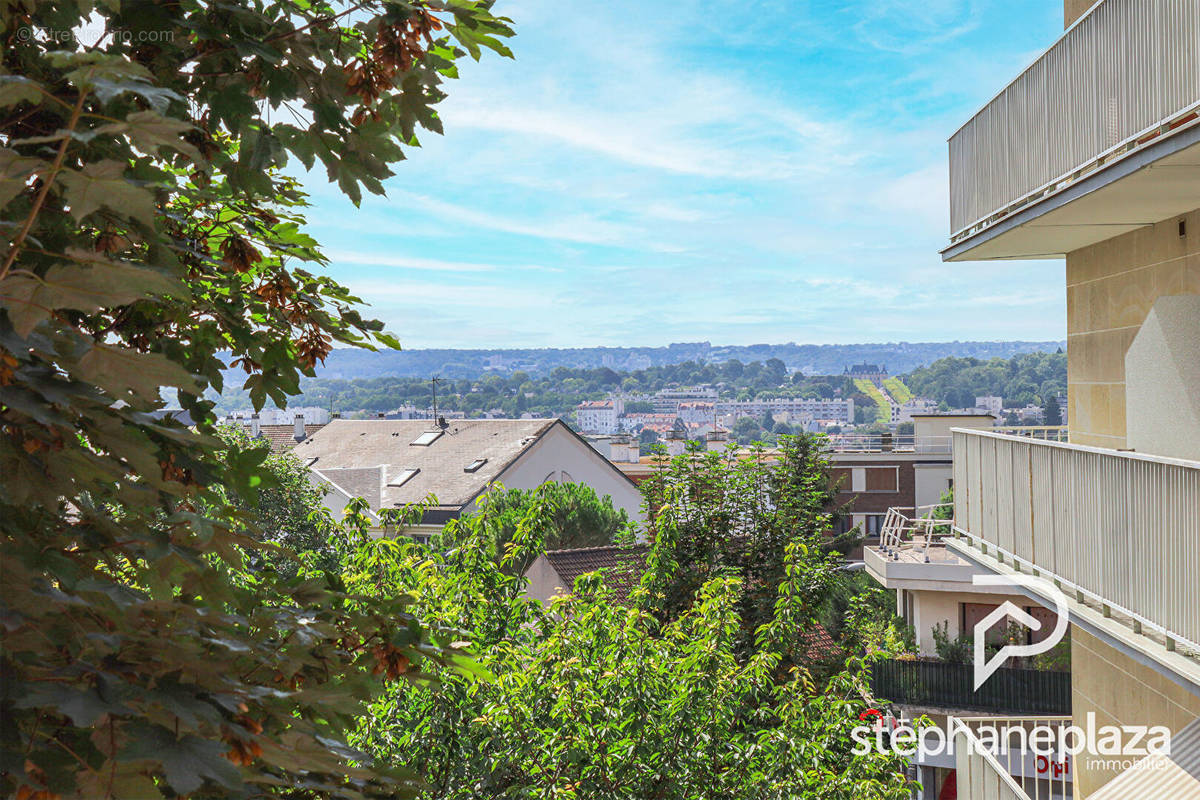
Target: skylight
{"type": "Point", "coordinates": [475, 465]}
{"type": "Point", "coordinates": [425, 439]}
{"type": "Point", "coordinates": [404, 477]}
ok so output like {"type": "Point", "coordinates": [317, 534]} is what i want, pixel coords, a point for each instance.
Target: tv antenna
{"type": "Point", "coordinates": [434, 381]}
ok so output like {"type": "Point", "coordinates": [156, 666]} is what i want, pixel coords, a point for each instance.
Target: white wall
{"type": "Point", "coordinates": [931, 609]}
{"type": "Point", "coordinates": [562, 457]}
{"type": "Point", "coordinates": [1162, 381]}
{"type": "Point", "coordinates": [544, 582]}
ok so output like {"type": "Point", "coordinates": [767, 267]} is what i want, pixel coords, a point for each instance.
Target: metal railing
{"type": "Point", "coordinates": [886, 443]}
{"type": "Point", "coordinates": [1051, 433]}
{"type": "Point", "coordinates": [1123, 75]}
{"type": "Point", "coordinates": [1006, 769]}
{"type": "Point", "coordinates": [940, 685]}
{"type": "Point", "coordinates": [914, 530]}
{"type": "Point", "coordinates": [1116, 528]}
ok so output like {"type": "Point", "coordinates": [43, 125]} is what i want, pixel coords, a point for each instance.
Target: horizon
{"type": "Point", "coordinates": [764, 182]}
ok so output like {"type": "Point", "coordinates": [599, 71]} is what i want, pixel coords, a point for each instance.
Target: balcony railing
{"type": "Point", "coordinates": [886, 443]}
{"type": "Point", "coordinates": [1118, 529]}
{"type": "Point", "coordinates": [1009, 690]}
{"type": "Point", "coordinates": [1123, 75]}
{"type": "Point", "coordinates": [911, 532]}
{"type": "Point", "coordinates": [1010, 772]}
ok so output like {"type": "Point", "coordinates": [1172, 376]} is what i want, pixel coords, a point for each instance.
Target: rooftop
{"type": "Point", "coordinates": [396, 462]}
{"type": "Point", "coordinates": [622, 565]}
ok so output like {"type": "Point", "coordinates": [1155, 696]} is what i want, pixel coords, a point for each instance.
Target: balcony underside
{"type": "Point", "coordinates": [1155, 183]}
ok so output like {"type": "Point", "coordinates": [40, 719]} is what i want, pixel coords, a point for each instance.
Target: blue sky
{"type": "Point", "coordinates": [649, 172]}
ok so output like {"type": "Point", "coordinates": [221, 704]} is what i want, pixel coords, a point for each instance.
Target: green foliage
{"type": "Point", "coordinates": [719, 516]}
{"type": "Point", "coordinates": [957, 650]}
{"type": "Point", "coordinates": [287, 508]}
{"type": "Point", "coordinates": [594, 698]}
{"type": "Point", "coordinates": [1020, 380]}
{"type": "Point", "coordinates": [152, 240]}
{"type": "Point", "coordinates": [897, 390]}
{"type": "Point", "coordinates": [883, 411]}
{"type": "Point", "coordinates": [1053, 412]}
{"type": "Point", "coordinates": [862, 616]}
{"type": "Point", "coordinates": [573, 515]}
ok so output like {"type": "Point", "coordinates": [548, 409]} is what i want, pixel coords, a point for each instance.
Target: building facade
{"type": "Point", "coordinates": [1092, 155]}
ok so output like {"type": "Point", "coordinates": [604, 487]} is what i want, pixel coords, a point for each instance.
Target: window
{"type": "Point", "coordinates": [404, 477]}
{"type": "Point", "coordinates": [425, 439]}
{"type": "Point", "coordinates": [475, 465]}
{"type": "Point", "coordinates": [873, 524]}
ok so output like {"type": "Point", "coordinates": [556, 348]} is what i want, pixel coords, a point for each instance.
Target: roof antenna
{"type": "Point", "coordinates": [434, 381]}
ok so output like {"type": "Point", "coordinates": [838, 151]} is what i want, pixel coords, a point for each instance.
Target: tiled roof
{"type": "Point", "coordinates": [819, 645]}
{"type": "Point", "coordinates": [283, 437]}
{"type": "Point", "coordinates": [346, 448]}
{"type": "Point", "coordinates": [622, 565]}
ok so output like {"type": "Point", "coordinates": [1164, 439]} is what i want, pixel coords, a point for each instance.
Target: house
{"type": "Point", "coordinates": [1091, 155]}
{"type": "Point", "coordinates": [395, 463]}
{"type": "Point", "coordinates": [554, 572]}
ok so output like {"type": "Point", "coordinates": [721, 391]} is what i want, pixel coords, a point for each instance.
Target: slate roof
{"type": "Point", "coordinates": [623, 565]}
{"type": "Point", "coordinates": [367, 454]}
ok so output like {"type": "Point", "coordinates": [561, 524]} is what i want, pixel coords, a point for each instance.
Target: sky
{"type": "Point", "coordinates": [653, 172]}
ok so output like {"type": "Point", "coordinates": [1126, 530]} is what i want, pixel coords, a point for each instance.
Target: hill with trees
{"type": "Point", "coordinates": [824, 359]}
{"type": "Point", "coordinates": [1023, 379]}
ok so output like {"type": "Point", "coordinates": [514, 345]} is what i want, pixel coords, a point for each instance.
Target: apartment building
{"type": "Point", "coordinates": [599, 416]}
{"type": "Point", "coordinates": [1092, 156]}
{"type": "Point", "coordinates": [796, 408]}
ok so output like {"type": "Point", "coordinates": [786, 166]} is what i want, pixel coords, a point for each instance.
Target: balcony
{"type": "Point", "coordinates": [1116, 531]}
{"type": "Point", "coordinates": [935, 684]}
{"type": "Point", "coordinates": [1009, 772]}
{"type": "Point", "coordinates": [887, 443]}
{"type": "Point", "coordinates": [1097, 137]}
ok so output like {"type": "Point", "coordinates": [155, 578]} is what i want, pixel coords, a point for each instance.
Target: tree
{"type": "Point", "coordinates": [746, 430]}
{"type": "Point", "coordinates": [1052, 412]}
{"type": "Point", "coordinates": [289, 511]}
{"type": "Point", "coordinates": [743, 517]}
{"type": "Point", "coordinates": [599, 696]}
{"type": "Point", "coordinates": [152, 240]}
{"type": "Point", "coordinates": [572, 514]}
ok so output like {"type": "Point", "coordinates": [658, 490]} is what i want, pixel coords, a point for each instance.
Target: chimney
{"type": "Point", "coordinates": [382, 415]}
{"type": "Point", "coordinates": [716, 440]}
{"type": "Point", "coordinates": [618, 448]}
{"type": "Point", "coordinates": [336, 415]}
{"type": "Point", "coordinates": [255, 430]}
{"type": "Point", "coordinates": [299, 433]}
{"type": "Point", "coordinates": [676, 442]}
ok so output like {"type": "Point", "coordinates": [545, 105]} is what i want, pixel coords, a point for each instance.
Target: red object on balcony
{"type": "Point", "coordinates": [949, 788]}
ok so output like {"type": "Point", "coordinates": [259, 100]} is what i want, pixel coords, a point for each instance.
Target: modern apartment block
{"type": "Point", "coordinates": [841, 411]}
{"type": "Point", "coordinates": [1092, 155]}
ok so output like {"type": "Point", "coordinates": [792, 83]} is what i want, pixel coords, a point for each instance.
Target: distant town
{"type": "Point", "coordinates": [729, 401]}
